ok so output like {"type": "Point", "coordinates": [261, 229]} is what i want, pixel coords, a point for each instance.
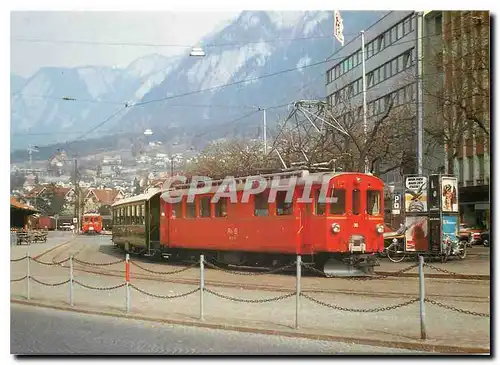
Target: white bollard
{"type": "Point", "coordinates": [297, 285]}
{"type": "Point", "coordinates": [71, 280]}
{"type": "Point", "coordinates": [28, 294]}
{"type": "Point", "coordinates": [127, 281]}
{"type": "Point", "coordinates": [202, 284]}
{"type": "Point", "coordinates": [423, 331]}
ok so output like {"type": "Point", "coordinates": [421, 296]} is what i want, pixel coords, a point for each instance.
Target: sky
{"type": "Point", "coordinates": [158, 28]}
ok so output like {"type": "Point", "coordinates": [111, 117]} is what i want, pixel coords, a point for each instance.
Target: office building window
{"type": "Point", "coordinates": [480, 162]}
{"type": "Point", "coordinates": [387, 38]}
{"type": "Point", "coordinates": [400, 30]}
{"type": "Point", "coordinates": [461, 169]}
{"type": "Point", "coordinates": [370, 79]}
{"type": "Point", "coordinates": [470, 165]}
{"type": "Point", "coordinates": [381, 43]}
{"type": "Point", "coordinates": [394, 35]}
{"type": "Point", "coordinates": [406, 26]}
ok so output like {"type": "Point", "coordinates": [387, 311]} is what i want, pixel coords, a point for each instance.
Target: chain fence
{"type": "Point", "coordinates": [455, 309]}
{"type": "Point", "coordinates": [267, 300]}
{"type": "Point", "coordinates": [165, 272]}
{"type": "Point", "coordinates": [201, 287]}
{"type": "Point", "coordinates": [310, 267]}
{"type": "Point", "coordinates": [234, 272]}
{"type": "Point", "coordinates": [99, 288]}
{"type": "Point", "coordinates": [20, 279]}
{"type": "Point", "coordinates": [175, 296]}
{"type": "Point", "coordinates": [49, 284]}
{"type": "Point", "coordinates": [451, 273]}
{"type": "Point", "coordinates": [78, 261]}
{"type": "Point", "coordinates": [53, 263]}
{"type": "Point", "coordinates": [367, 310]}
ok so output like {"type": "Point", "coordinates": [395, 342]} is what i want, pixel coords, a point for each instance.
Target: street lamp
{"type": "Point", "coordinates": [197, 52]}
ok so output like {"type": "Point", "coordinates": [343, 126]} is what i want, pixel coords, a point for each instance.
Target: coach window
{"type": "Point", "coordinates": [143, 213]}
{"type": "Point", "coordinates": [319, 205]}
{"type": "Point", "coordinates": [221, 207]}
{"type": "Point", "coordinates": [282, 206]}
{"type": "Point", "coordinates": [356, 201]}
{"type": "Point", "coordinates": [373, 202]}
{"type": "Point", "coordinates": [261, 205]}
{"type": "Point", "coordinates": [337, 198]}
{"type": "Point", "coordinates": [190, 209]}
{"type": "Point", "coordinates": [133, 215]}
{"type": "Point", "coordinates": [177, 210]}
{"type": "Point", "coordinates": [204, 206]}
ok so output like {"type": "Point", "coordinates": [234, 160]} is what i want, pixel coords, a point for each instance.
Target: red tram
{"type": "Point", "coordinates": [341, 236]}
{"type": "Point", "coordinates": [91, 223]}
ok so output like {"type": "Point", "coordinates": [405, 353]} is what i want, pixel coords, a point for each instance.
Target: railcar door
{"type": "Point", "coordinates": [153, 228]}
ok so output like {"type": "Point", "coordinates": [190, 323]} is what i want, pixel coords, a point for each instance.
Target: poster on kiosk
{"type": "Point", "coordinates": [416, 218]}
{"type": "Point", "coordinates": [449, 208]}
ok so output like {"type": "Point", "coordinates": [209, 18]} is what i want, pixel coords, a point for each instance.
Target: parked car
{"type": "Point", "coordinates": [65, 227]}
{"type": "Point", "coordinates": [485, 238]}
{"type": "Point", "coordinates": [470, 233]}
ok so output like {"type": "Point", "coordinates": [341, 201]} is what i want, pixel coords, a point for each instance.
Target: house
{"type": "Point", "coordinates": [97, 199]}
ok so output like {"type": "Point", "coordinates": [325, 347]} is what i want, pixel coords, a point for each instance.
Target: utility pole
{"type": "Point", "coordinates": [419, 98]}
{"type": "Point", "coordinates": [264, 130]}
{"type": "Point", "coordinates": [365, 127]}
{"type": "Point", "coordinates": [77, 195]}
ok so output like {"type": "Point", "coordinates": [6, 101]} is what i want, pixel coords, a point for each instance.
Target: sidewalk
{"type": "Point", "coordinates": [446, 330]}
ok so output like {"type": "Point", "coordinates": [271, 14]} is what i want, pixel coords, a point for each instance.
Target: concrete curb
{"type": "Point", "coordinates": [418, 346]}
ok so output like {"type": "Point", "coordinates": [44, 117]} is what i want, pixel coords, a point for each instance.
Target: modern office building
{"type": "Point", "coordinates": [457, 97]}
{"type": "Point", "coordinates": [390, 65]}
{"type": "Point", "coordinates": [455, 75]}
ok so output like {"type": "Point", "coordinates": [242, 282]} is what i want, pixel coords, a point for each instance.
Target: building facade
{"type": "Point", "coordinates": [390, 67]}
{"type": "Point", "coordinates": [457, 101]}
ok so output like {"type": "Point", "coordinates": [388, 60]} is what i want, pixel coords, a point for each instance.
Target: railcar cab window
{"type": "Point", "coordinates": [261, 204]}
{"type": "Point", "coordinates": [337, 198]}
{"type": "Point", "coordinates": [373, 202]}
{"type": "Point", "coordinates": [204, 204]}
{"type": "Point", "coordinates": [283, 207]}
{"type": "Point", "coordinates": [177, 210]}
{"type": "Point", "coordinates": [356, 201]}
{"type": "Point", "coordinates": [221, 207]}
{"type": "Point", "coordinates": [190, 209]}
{"type": "Point", "coordinates": [319, 203]}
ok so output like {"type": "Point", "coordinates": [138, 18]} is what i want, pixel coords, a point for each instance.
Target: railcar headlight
{"type": "Point", "coordinates": [380, 228]}
{"type": "Point", "coordinates": [336, 228]}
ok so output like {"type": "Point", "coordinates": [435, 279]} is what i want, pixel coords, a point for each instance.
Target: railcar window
{"type": "Point", "coordinates": [127, 215]}
{"type": "Point", "coordinates": [338, 201]}
{"type": "Point", "coordinates": [204, 207]}
{"type": "Point", "coordinates": [373, 202]}
{"type": "Point", "coordinates": [190, 210]}
{"type": "Point", "coordinates": [221, 207]}
{"type": "Point", "coordinates": [177, 210]}
{"type": "Point", "coordinates": [261, 205]}
{"type": "Point", "coordinates": [282, 206]}
{"type": "Point", "coordinates": [121, 215]}
{"type": "Point", "coordinates": [319, 205]}
{"type": "Point", "coordinates": [356, 201]}
{"type": "Point", "coordinates": [143, 213]}
{"type": "Point", "coordinates": [132, 216]}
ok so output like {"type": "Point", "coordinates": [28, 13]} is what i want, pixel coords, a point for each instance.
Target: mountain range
{"type": "Point", "coordinates": [186, 96]}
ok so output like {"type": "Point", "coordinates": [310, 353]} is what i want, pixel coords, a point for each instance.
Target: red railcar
{"type": "Point", "coordinates": [347, 233]}
{"type": "Point", "coordinates": [45, 222]}
{"type": "Point", "coordinates": [91, 223]}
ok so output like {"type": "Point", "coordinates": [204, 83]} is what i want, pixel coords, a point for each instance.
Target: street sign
{"type": "Point", "coordinates": [396, 204]}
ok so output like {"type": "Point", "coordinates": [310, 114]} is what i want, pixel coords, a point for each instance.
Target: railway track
{"type": "Point", "coordinates": [310, 288]}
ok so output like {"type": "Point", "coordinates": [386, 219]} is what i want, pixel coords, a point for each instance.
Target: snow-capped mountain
{"type": "Point", "coordinates": [244, 52]}
{"type": "Point", "coordinates": [256, 44]}
{"type": "Point", "coordinates": [38, 108]}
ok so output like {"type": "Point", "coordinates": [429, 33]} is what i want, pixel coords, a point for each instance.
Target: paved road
{"type": "Point", "coordinates": [46, 331]}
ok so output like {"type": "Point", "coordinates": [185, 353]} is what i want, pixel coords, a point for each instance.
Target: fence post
{"type": "Point", "coordinates": [423, 331]}
{"type": "Point", "coordinates": [71, 280]}
{"type": "Point", "coordinates": [28, 294]}
{"type": "Point", "coordinates": [127, 280]}
{"type": "Point", "coordinates": [297, 296]}
{"type": "Point", "coordinates": [202, 284]}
